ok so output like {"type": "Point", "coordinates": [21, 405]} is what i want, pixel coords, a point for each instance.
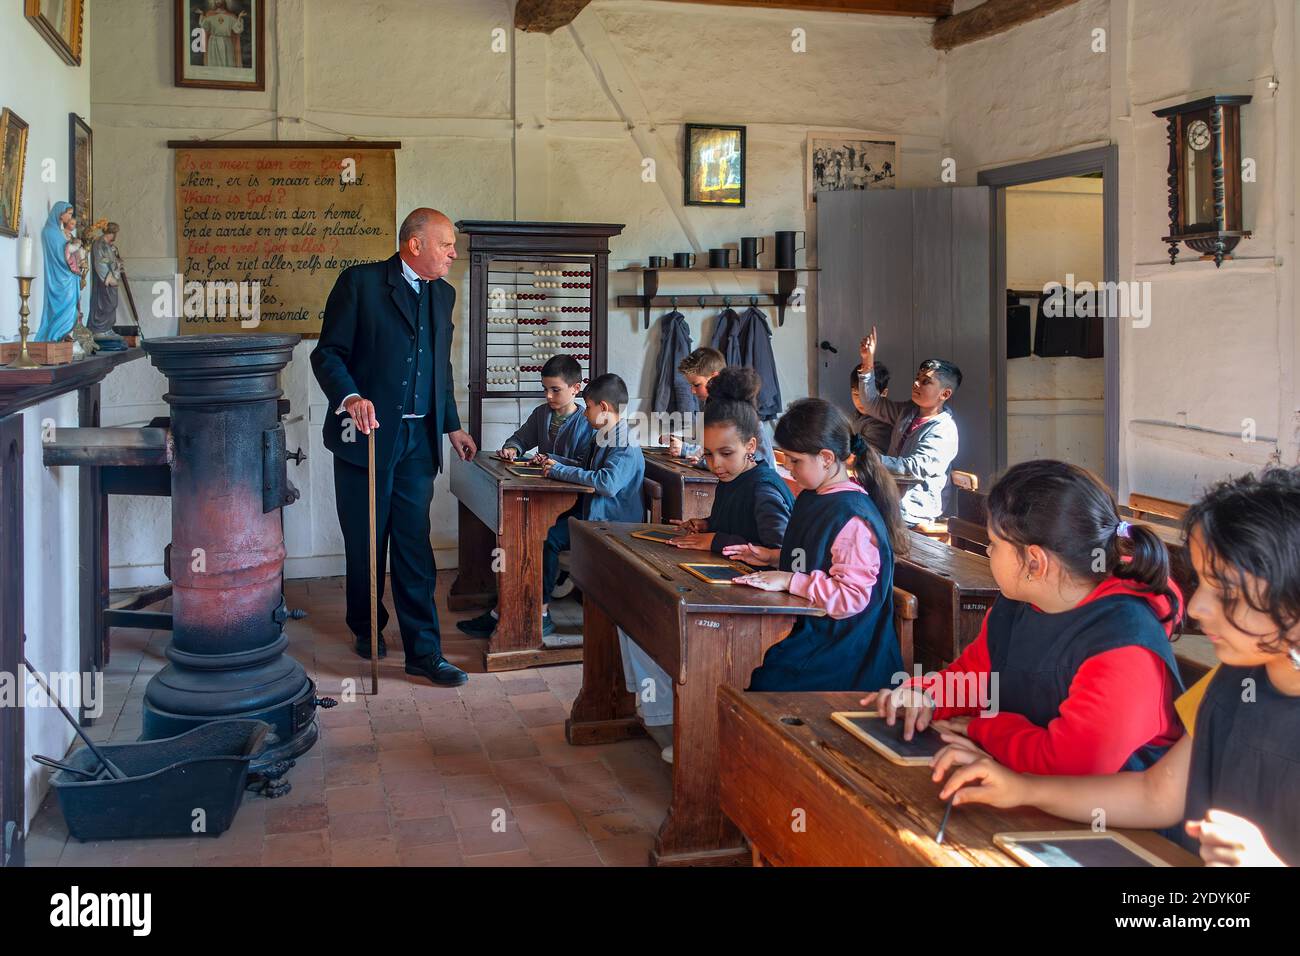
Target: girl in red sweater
{"type": "Point", "coordinates": [1073, 661]}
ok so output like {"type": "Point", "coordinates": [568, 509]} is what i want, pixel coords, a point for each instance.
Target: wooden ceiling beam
{"type": "Point", "coordinates": [989, 19]}
{"type": "Point", "coordinates": [899, 8]}
{"type": "Point", "coordinates": [546, 16]}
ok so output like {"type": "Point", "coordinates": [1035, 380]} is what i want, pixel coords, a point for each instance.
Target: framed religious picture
{"type": "Point", "coordinates": [836, 161]}
{"type": "Point", "coordinates": [79, 161]}
{"type": "Point", "coordinates": [13, 155]}
{"type": "Point", "coordinates": [220, 44]}
{"type": "Point", "coordinates": [59, 21]}
{"type": "Point", "coordinates": [714, 165]}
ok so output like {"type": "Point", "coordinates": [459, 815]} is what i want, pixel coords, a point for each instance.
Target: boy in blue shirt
{"type": "Point", "coordinates": [613, 465]}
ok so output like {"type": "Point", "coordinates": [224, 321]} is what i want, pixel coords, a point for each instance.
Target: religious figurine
{"type": "Point", "coordinates": [79, 257]}
{"type": "Point", "coordinates": [106, 278]}
{"type": "Point", "coordinates": [60, 280]}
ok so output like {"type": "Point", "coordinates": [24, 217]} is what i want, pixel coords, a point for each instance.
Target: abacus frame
{"type": "Point", "coordinates": [536, 243]}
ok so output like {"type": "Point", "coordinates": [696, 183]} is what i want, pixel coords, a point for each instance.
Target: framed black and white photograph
{"type": "Point", "coordinates": [219, 44]}
{"type": "Point", "coordinates": [714, 165]}
{"type": "Point", "coordinates": [836, 161]}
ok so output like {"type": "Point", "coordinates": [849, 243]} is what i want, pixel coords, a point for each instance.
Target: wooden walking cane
{"type": "Point", "coordinates": [374, 573]}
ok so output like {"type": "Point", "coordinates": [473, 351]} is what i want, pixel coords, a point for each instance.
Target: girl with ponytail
{"type": "Point", "coordinates": [1231, 781]}
{"type": "Point", "coordinates": [838, 552]}
{"type": "Point", "coordinates": [1072, 671]}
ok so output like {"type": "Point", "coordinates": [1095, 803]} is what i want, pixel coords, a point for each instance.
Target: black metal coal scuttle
{"type": "Point", "coordinates": [226, 558]}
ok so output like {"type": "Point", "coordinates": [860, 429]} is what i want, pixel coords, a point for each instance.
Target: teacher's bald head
{"type": "Point", "coordinates": [427, 242]}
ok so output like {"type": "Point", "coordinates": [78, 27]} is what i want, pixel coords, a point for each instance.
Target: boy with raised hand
{"type": "Point", "coordinates": [924, 439]}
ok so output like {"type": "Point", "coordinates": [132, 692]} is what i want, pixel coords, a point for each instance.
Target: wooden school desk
{"type": "Point", "coordinates": [688, 491]}
{"type": "Point", "coordinates": [785, 762]}
{"type": "Point", "coordinates": [501, 510]}
{"type": "Point", "coordinates": [954, 589]}
{"type": "Point", "coordinates": [703, 635]}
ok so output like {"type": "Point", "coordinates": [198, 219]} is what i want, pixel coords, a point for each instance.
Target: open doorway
{"type": "Point", "coordinates": [1056, 377]}
{"type": "Point", "coordinates": [1056, 388]}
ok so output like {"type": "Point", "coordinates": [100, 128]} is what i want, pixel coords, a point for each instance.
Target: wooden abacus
{"type": "Point", "coordinates": [537, 289]}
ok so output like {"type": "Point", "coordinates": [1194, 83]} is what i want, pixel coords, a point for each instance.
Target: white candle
{"type": "Point", "coordinates": [26, 255]}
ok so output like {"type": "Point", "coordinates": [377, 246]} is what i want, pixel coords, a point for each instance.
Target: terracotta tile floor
{"type": "Point", "coordinates": [478, 775]}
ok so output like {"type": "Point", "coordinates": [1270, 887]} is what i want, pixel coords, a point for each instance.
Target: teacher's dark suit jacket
{"type": "Point", "coordinates": [367, 335]}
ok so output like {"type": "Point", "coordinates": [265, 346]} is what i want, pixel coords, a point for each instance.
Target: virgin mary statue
{"type": "Point", "coordinates": [61, 282]}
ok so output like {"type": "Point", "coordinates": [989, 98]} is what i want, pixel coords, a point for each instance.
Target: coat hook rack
{"type": "Point", "coordinates": [649, 298]}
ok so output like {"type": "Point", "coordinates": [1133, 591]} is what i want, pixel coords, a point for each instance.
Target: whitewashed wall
{"type": "Point", "coordinates": [423, 72]}
{"type": "Point", "coordinates": [1220, 349]}
{"type": "Point", "coordinates": [50, 516]}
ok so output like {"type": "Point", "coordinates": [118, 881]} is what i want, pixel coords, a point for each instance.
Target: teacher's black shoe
{"type": "Point", "coordinates": [480, 626]}
{"type": "Point", "coordinates": [438, 669]}
{"type": "Point", "coordinates": [362, 647]}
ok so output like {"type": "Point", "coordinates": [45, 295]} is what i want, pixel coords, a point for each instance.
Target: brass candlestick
{"type": "Point", "coordinates": [24, 360]}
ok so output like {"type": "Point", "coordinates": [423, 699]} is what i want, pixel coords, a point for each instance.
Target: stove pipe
{"type": "Point", "coordinates": [226, 560]}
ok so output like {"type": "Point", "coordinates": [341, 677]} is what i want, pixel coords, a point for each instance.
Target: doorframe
{"type": "Point", "coordinates": [1101, 159]}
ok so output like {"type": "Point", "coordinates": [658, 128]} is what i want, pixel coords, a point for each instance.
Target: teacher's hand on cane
{"type": "Point", "coordinates": [362, 411]}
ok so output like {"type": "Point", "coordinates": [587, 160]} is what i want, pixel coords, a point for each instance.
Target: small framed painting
{"type": "Point", "coordinates": [59, 21]}
{"type": "Point", "coordinates": [79, 161]}
{"type": "Point", "coordinates": [13, 156]}
{"type": "Point", "coordinates": [836, 161]}
{"type": "Point", "coordinates": [220, 44]}
{"type": "Point", "coordinates": [714, 165]}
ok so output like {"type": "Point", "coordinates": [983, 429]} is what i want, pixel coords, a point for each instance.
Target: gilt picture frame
{"type": "Point", "coordinates": [13, 158]}
{"type": "Point", "coordinates": [60, 22]}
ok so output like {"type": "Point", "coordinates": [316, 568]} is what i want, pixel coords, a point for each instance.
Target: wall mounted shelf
{"type": "Point", "coordinates": [650, 298]}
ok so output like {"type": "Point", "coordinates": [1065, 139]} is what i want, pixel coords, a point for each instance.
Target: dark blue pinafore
{"type": "Point", "coordinates": [733, 503]}
{"type": "Point", "coordinates": [1036, 654]}
{"type": "Point", "coordinates": [857, 653]}
{"type": "Point", "coordinates": [1246, 757]}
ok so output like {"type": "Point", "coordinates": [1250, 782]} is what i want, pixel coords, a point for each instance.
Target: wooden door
{"type": "Point", "coordinates": [917, 264]}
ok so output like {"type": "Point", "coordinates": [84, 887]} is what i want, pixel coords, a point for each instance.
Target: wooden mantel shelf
{"type": "Point", "coordinates": [23, 387]}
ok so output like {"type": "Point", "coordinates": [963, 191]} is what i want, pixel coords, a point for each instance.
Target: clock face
{"type": "Point", "coordinates": [1198, 135]}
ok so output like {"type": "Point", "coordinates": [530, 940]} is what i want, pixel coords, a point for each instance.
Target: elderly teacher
{"type": "Point", "coordinates": [383, 362]}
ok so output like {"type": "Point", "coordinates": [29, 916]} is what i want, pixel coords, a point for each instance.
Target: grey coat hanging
{"type": "Point", "coordinates": [672, 391]}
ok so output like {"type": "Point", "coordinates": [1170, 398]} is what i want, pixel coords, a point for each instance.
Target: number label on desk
{"type": "Point", "coordinates": [705, 622]}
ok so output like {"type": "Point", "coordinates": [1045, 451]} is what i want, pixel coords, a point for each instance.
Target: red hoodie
{"type": "Point", "coordinates": [1091, 734]}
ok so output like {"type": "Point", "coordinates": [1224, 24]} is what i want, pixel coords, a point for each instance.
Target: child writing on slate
{"type": "Point", "coordinates": [613, 465]}
{"type": "Point", "coordinates": [1232, 780]}
{"type": "Point", "coordinates": [554, 428]}
{"type": "Point", "coordinates": [751, 507]}
{"type": "Point", "coordinates": [752, 503]}
{"type": "Point", "coordinates": [1079, 638]}
{"type": "Point", "coordinates": [699, 369]}
{"type": "Point", "coordinates": [838, 552]}
{"type": "Point", "coordinates": [923, 442]}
